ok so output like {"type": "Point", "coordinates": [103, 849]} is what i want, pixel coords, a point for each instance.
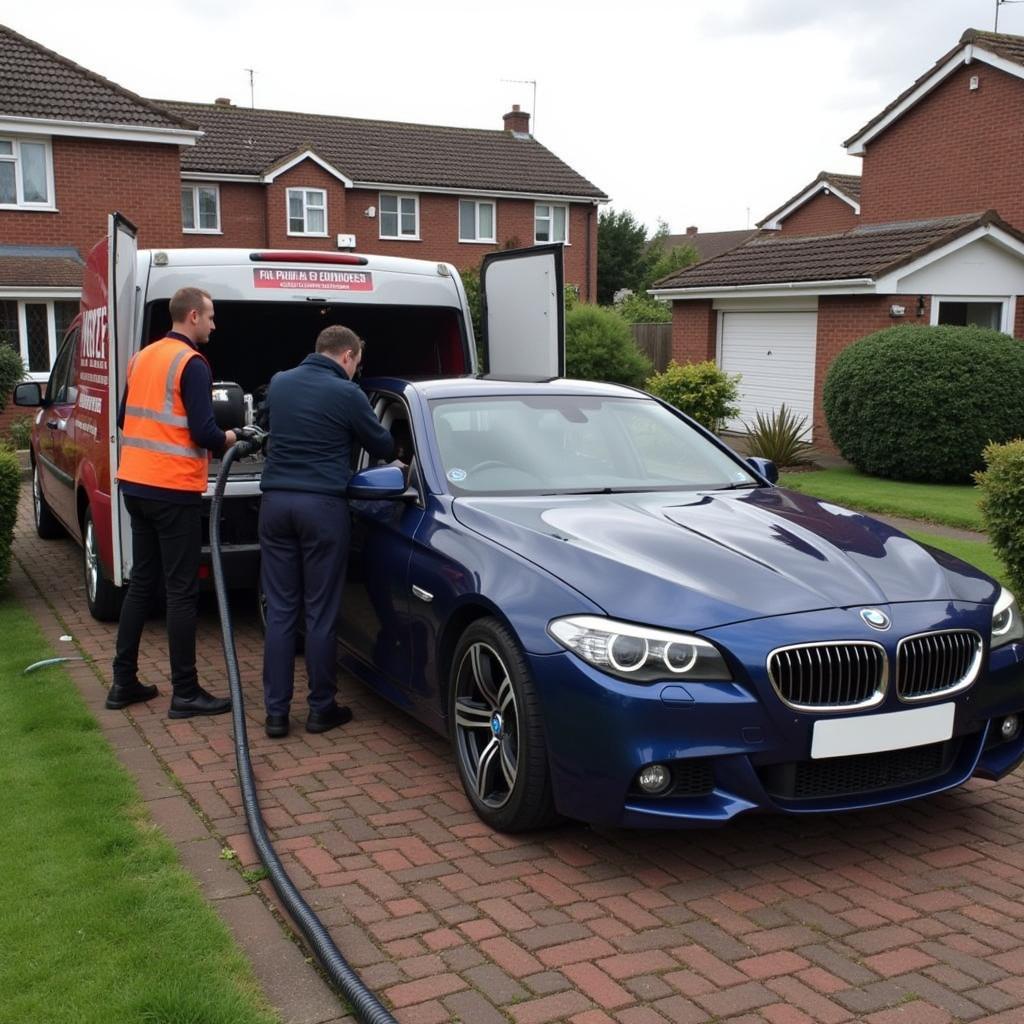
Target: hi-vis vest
{"type": "Point", "coordinates": [156, 447]}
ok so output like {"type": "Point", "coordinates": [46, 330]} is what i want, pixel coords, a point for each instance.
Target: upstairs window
{"type": "Point", "coordinates": [200, 209]}
{"type": "Point", "coordinates": [399, 216]}
{"type": "Point", "coordinates": [476, 221]}
{"type": "Point", "coordinates": [307, 211]}
{"type": "Point", "coordinates": [26, 174]}
{"type": "Point", "coordinates": [550, 223]}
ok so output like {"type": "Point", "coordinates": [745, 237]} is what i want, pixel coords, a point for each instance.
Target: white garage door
{"type": "Point", "coordinates": [774, 352]}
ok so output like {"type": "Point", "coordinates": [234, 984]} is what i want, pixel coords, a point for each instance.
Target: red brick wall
{"type": "Point", "coordinates": [304, 175]}
{"type": "Point", "coordinates": [694, 331]}
{"type": "Point", "coordinates": [822, 215]}
{"type": "Point", "coordinates": [92, 178]}
{"type": "Point", "coordinates": [956, 151]}
{"type": "Point", "coordinates": [243, 219]}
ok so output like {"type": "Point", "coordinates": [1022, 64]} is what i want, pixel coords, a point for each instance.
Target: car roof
{"type": "Point", "coordinates": [477, 387]}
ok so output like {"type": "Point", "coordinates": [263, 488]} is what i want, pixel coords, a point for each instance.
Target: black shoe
{"type": "Point", "coordinates": [276, 726]}
{"type": "Point", "coordinates": [200, 703]}
{"type": "Point", "coordinates": [123, 694]}
{"type": "Point", "coordinates": [321, 721]}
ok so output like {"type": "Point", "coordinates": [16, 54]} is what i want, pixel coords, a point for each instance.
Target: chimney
{"type": "Point", "coordinates": [517, 121]}
{"type": "Point", "coordinates": [222, 101]}
{"type": "Point", "coordinates": [692, 230]}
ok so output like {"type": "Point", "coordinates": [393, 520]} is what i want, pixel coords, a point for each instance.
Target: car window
{"type": "Point", "coordinates": [58, 389]}
{"type": "Point", "coordinates": [551, 444]}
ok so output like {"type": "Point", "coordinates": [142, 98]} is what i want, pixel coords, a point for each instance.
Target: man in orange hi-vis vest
{"type": "Point", "coordinates": [168, 430]}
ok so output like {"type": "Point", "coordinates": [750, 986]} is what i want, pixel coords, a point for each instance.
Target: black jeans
{"type": "Point", "coordinates": [303, 550]}
{"type": "Point", "coordinates": [166, 539]}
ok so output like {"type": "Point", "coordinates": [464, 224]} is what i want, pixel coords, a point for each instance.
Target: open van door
{"type": "Point", "coordinates": [523, 312]}
{"type": "Point", "coordinates": [122, 239]}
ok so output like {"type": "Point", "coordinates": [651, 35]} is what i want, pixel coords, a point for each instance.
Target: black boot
{"type": "Point", "coordinates": [200, 703]}
{"type": "Point", "coordinates": [123, 694]}
{"type": "Point", "coordinates": [321, 721]}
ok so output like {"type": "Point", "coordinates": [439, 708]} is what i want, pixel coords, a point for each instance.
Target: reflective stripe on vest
{"type": "Point", "coordinates": [157, 448]}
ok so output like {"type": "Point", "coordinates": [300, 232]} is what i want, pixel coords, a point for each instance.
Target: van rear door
{"type": "Point", "coordinates": [121, 310]}
{"type": "Point", "coordinates": [523, 312]}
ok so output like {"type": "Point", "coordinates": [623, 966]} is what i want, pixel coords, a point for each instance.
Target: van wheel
{"type": "Point", "coordinates": [496, 730]}
{"type": "Point", "coordinates": [47, 524]}
{"type": "Point", "coordinates": [103, 597]}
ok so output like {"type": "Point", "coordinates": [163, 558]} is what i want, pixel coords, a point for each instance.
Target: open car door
{"type": "Point", "coordinates": [123, 246]}
{"type": "Point", "coordinates": [523, 312]}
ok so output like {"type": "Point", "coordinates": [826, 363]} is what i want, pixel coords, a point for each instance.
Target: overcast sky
{"type": "Point", "coordinates": [706, 112]}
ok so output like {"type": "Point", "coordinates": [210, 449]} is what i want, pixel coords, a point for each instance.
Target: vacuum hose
{"type": "Point", "coordinates": [366, 1005]}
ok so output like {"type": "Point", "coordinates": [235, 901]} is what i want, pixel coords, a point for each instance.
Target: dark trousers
{"type": "Point", "coordinates": [166, 541]}
{"type": "Point", "coordinates": [303, 549]}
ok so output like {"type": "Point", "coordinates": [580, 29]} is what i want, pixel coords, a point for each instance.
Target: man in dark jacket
{"type": "Point", "coordinates": [316, 415]}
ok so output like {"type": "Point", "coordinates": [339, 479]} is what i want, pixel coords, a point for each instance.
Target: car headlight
{"type": "Point", "coordinates": [639, 654]}
{"type": "Point", "coordinates": [1007, 624]}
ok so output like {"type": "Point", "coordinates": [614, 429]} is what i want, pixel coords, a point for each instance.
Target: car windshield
{"type": "Point", "coordinates": [565, 444]}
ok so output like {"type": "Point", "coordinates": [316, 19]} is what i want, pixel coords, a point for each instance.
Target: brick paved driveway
{"type": "Point", "coordinates": [912, 915]}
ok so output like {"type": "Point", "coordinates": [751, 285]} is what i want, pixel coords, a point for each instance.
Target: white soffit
{"type": "Point", "coordinates": [981, 267]}
{"type": "Point", "coordinates": [308, 154]}
{"type": "Point", "coordinates": [819, 186]}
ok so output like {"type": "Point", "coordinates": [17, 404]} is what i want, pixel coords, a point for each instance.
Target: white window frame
{"type": "Point", "coordinates": [194, 188]}
{"type": "Point", "coordinates": [53, 342]}
{"type": "Point", "coordinates": [479, 239]}
{"type": "Point", "coordinates": [306, 207]}
{"type": "Point", "coordinates": [380, 216]}
{"type": "Point", "coordinates": [15, 158]}
{"type": "Point", "coordinates": [1008, 303]}
{"type": "Point", "coordinates": [550, 218]}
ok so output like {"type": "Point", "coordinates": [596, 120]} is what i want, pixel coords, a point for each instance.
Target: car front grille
{"type": "Point", "coordinates": [860, 774]}
{"type": "Point", "coordinates": [935, 663]}
{"type": "Point", "coordinates": [842, 674]}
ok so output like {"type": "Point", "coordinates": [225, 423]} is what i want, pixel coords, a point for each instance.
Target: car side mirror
{"type": "Point", "coordinates": [28, 393]}
{"type": "Point", "coordinates": [379, 483]}
{"type": "Point", "coordinates": [765, 467]}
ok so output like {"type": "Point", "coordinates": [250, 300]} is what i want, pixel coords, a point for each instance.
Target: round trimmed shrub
{"type": "Point", "coordinates": [921, 403]}
{"type": "Point", "coordinates": [599, 345]}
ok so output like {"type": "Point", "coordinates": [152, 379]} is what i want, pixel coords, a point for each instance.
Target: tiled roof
{"type": "Point", "coordinates": [866, 251]}
{"type": "Point", "coordinates": [240, 140]}
{"type": "Point", "coordinates": [1009, 47]}
{"type": "Point", "coordinates": [708, 243]}
{"type": "Point", "coordinates": [40, 266]}
{"type": "Point", "coordinates": [36, 82]}
{"type": "Point", "coordinates": [848, 184]}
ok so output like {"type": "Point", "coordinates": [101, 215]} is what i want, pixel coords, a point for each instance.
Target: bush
{"type": "Point", "coordinates": [1002, 506]}
{"type": "Point", "coordinates": [10, 481]}
{"type": "Point", "coordinates": [599, 346]}
{"type": "Point", "coordinates": [920, 403]}
{"type": "Point", "coordinates": [644, 309]}
{"type": "Point", "coordinates": [780, 437]}
{"type": "Point", "coordinates": [12, 370]}
{"type": "Point", "coordinates": [701, 390]}
{"type": "Point", "coordinates": [20, 432]}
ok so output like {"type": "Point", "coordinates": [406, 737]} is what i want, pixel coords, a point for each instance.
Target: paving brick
{"type": "Point", "coordinates": [549, 1008]}
{"type": "Point", "coordinates": [597, 985]}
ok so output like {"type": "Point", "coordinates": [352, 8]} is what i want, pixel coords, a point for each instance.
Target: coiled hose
{"type": "Point", "coordinates": [366, 1005]}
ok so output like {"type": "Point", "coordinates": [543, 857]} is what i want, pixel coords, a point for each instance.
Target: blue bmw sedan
{"type": "Point", "coordinates": [616, 618]}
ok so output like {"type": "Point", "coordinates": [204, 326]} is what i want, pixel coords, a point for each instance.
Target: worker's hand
{"type": "Point", "coordinates": [253, 437]}
{"type": "Point", "coordinates": [229, 438]}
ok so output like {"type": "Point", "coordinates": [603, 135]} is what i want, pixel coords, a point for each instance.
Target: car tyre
{"type": "Point", "coordinates": [48, 526]}
{"type": "Point", "coordinates": [497, 731]}
{"type": "Point", "coordinates": [103, 598]}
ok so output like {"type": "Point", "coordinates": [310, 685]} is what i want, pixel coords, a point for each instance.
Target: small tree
{"type": "Point", "coordinates": [1002, 505]}
{"type": "Point", "coordinates": [599, 346]}
{"type": "Point", "coordinates": [12, 371]}
{"type": "Point", "coordinates": [667, 262]}
{"type": "Point", "coordinates": [623, 256]}
{"type": "Point", "coordinates": [701, 390]}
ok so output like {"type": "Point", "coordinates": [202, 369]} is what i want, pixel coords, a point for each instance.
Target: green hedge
{"type": "Point", "coordinates": [920, 403]}
{"type": "Point", "coordinates": [12, 371]}
{"type": "Point", "coordinates": [599, 345]}
{"type": "Point", "coordinates": [1002, 506]}
{"type": "Point", "coordinates": [701, 390]}
{"type": "Point", "coordinates": [10, 481]}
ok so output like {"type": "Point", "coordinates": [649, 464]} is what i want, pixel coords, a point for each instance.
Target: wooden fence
{"type": "Point", "coordinates": [655, 341]}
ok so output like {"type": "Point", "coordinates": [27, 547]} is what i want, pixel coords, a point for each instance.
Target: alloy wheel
{"type": "Point", "coordinates": [37, 497]}
{"type": "Point", "coordinates": [487, 724]}
{"type": "Point", "coordinates": [92, 560]}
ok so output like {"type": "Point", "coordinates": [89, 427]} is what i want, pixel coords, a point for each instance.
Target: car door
{"type": "Point", "coordinates": [373, 624]}
{"type": "Point", "coordinates": [523, 312]}
{"type": "Point", "coordinates": [56, 470]}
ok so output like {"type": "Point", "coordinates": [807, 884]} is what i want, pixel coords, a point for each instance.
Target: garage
{"type": "Point", "coordinates": [774, 352]}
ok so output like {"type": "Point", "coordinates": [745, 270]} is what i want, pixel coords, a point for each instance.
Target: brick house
{"type": "Point", "coordinates": [933, 234]}
{"type": "Point", "coordinates": [75, 146]}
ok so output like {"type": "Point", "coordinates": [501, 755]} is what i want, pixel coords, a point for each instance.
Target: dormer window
{"type": "Point", "coordinates": [26, 174]}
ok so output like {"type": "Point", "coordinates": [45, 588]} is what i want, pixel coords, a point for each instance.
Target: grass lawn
{"type": "Point", "coordinates": [948, 504]}
{"type": "Point", "coordinates": [98, 922]}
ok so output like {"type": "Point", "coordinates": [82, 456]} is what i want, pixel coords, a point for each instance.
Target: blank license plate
{"type": "Point", "coordinates": [870, 734]}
